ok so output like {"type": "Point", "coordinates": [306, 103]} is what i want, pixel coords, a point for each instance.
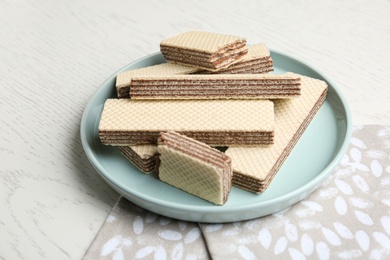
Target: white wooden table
{"type": "Point", "coordinates": [55, 54]}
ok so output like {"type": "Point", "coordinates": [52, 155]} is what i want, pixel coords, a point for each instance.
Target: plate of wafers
{"type": "Point", "coordinates": [270, 172]}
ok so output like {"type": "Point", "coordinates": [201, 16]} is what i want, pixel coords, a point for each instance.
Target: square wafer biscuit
{"type": "Point", "coordinates": [216, 86]}
{"type": "Point", "coordinates": [194, 167]}
{"type": "Point", "coordinates": [127, 122]}
{"type": "Point", "coordinates": [205, 50]}
{"type": "Point", "coordinates": [255, 167]}
{"type": "Point", "coordinates": [142, 156]}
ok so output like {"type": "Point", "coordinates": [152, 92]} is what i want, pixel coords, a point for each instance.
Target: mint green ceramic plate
{"type": "Point", "coordinates": [314, 157]}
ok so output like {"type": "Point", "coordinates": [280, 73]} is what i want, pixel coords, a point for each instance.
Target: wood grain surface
{"type": "Point", "coordinates": [55, 54]}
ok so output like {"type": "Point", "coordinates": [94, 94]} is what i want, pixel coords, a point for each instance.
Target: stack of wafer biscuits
{"type": "Point", "coordinates": [205, 50]}
{"type": "Point", "coordinates": [216, 90]}
{"type": "Point", "coordinates": [258, 60]}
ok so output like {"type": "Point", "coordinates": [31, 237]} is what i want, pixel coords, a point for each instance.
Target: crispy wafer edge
{"type": "Point", "coordinates": [146, 163]}
{"type": "Point", "coordinates": [204, 154]}
{"type": "Point", "coordinates": [216, 86]}
{"type": "Point", "coordinates": [255, 185]}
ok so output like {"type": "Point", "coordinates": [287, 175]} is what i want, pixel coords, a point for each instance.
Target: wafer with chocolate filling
{"type": "Point", "coordinates": [216, 86]}
{"type": "Point", "coordinates": [204, 50]}
{"type": "Point", "coordinates": [255, 167]}
{"type": "Point", "coordinates": [123, 79]}
{"type": "Point", "coordinates": [258, 60]}
{"type": "Point", "coordinates": [194, 167]}
{"type": "Point", "coordinates": [215, 122]}
{"type": "Point", "coordinates": [142, 156]}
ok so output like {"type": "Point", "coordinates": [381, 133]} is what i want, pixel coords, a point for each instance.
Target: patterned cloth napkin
{"type": "Point", "coordinates": [348, 216]}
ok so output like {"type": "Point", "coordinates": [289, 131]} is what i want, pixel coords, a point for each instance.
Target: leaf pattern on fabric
{"type": "Point", "coordinates": [131, 232]}
{"type": "Point", "coordinates": [265, 237]}
{"type": "Point", "coordinates": [364, 218]}
{"type": "Point", "coordinates": [376, 168]}
{"type": "Point", "coordinates": [138, 225]}
{"type": "Point", "coordinates": [307, 244]}
{"type": "Point", "coordinates": [280, 245]}
{"type": "Point", "coordinates": [170, 235]}
{"type": "Point", "coordinates": [363, 240]}
{"type": "Point", "coordinates": [342, 230]}
{"type": "Point", "coordinates": [323, 250]}
{"type": "Point", "coordinates": [115, 245]}
{"type": "Point", "coordinates": [192, 236]}
{"type": "Point", "coordinates": [341, 206]}
{"type": "Point", "coordinates": [246, 253]}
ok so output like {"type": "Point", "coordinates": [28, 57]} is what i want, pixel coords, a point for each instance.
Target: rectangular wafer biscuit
{"type": "Point", "coordinates": [205, 50]}
{"type": "Point", "coordinates": [216, 86]}
{"type": "Point", "coordinates": [255, 167]}
{"type": "Point", "coordinates": [194, 167]}
{"type": "Point", "coordinates": [142, 156]}
{"type": "Point", "coordinates": [215, 122]}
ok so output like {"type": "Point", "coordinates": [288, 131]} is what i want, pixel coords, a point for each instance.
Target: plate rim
{"type": "Point", "coordinates": [303, 190]}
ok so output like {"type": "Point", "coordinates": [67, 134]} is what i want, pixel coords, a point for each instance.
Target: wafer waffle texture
{"type": "Point", "coordinates": [205, 50]}
{"type": "Point", "coordinates": [255, 167]}
{"type": "Point", "coordinates": [194, 167]}
{"type": "Point", "coordinates": [217, 86]}
{"type": "Point", "coordinates": [127, 122]}
{"type": "Point", "coordinates": [258, 60]}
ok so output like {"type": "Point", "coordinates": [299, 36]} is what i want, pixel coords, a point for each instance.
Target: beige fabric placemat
{"type": "Point", "coordinates": [347, 217]}
{"type": "Point", "coordinates": [131, 232]}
